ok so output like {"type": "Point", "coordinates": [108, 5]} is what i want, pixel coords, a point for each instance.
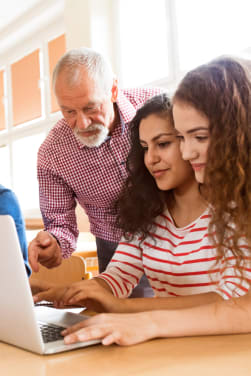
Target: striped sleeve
{"type": "Point", "coordinates": [234, 283]}
{"type": "Point", "coordinates": [125, 269]}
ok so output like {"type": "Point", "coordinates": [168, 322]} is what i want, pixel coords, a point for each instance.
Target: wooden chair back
{"type": "Point", "coordinates": [71, 270]}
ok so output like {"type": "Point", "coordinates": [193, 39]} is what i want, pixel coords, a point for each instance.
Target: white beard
{"type": "Point", "coordinates": [95, 140]}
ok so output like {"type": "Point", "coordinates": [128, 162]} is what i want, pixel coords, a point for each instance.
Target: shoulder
{"type": "Point", "coordinates": [8, 202]}
{"type": "Point", "coordinates": [55, 142]}
{"type": "Point", "coordinates": [6, 193]}
{"type": "Point", "coordinates": [139, 95]}
{"type": "Point", "coordinates": [56, 136]}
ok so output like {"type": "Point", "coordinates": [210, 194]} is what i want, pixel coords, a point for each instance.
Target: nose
{"type": "Point", "coordinates": [151, 156]}
{"type": "Point", "coordinates": [187, 151]}
{"type": "Point", "coordinates": [82, 121]}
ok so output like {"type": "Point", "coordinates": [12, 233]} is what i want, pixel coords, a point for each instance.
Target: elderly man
{"type": "Point", "coordinates": [83, 157]}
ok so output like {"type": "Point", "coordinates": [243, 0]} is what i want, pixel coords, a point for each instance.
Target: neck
{"type": "Point", "coordinates": [188, 204]}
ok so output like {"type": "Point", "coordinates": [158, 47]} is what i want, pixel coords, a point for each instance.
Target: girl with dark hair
{"type": "Point", "coordinates": [212, 114]}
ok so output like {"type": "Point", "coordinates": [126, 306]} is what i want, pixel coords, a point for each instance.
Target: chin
{"type": "Point", "coordinates": [199, 176]}
{"type": "Point", "coordinates": [164, 187]}
{"type": "Point", "coordinates": [92, 141]}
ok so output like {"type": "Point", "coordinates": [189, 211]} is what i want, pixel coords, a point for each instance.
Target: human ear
{"type": "Point", "coordinates": [114, 90]}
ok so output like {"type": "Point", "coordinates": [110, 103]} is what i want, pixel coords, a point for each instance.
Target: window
{"type": "Point", "coordinates": [26, 94]}
{"type": "Point", "coordinates": [24, 169]}
{"type": "Point", "coordinates": [5, 165]}
{"type": "Point", "coordinates": [160, 40]}
{"type": "Point", "coordinates": [143, 32]}
{"type": "Point", "coordinates": [56, 48]}
{"type": "Point", "coordinates": [2, 101]}
{"type": "Point", "coordinates": [27, 112]}
{"type": "Point", "coordinates": [207, 29]}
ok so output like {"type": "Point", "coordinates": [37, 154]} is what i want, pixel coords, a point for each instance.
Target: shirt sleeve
{"type": "Point", "coordinates": [233, 282]}
{"type": "Point", "coordinates": [10, 206]}
{"type": "Point", "coordinates": [57, 205]}
{"type": "Point", "coordinates": [125, 269]}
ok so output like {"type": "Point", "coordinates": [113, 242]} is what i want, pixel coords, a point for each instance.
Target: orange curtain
{"type": "Point", "coordinates": [26, 93]}
{"type": "Point", "coordinates": [2, 110]}
{"type": "Point", "coordinates": [56, 48]}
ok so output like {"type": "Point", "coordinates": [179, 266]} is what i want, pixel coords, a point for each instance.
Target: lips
{"type": "Point", "coordinates": [88, 133]}
{"type": "Point", "coordinates": [159, 173]}
{"type": "Point", "coordinates": [198, 166]}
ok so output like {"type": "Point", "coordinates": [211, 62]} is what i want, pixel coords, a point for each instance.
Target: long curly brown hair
{"type": "Point", "coordinates": [221, 90]}
{"type": "Point", "coordinates": [141, 200]}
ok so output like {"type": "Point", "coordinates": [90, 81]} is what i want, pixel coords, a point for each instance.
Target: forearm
{"type": "Point", "coordinates": [57, 205]}
{"type": "Point", "coordinates": [101, 282]}
{"type": "Point", "coordinates": [176, 303]}
{"type": "Point", "coordinates": [225, 317]}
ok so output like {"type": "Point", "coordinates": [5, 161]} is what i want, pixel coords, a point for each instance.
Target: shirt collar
{"type": "Point", "coordinates": [126, 109]}
{"type": "Point", "coordinates": [126, 113]}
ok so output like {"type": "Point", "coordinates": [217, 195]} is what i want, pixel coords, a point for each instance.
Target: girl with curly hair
{"type": "Point", "coordinates": [212, 114]}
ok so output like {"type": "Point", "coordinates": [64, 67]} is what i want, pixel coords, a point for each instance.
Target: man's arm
{"type": "Point", "coordinates": [57, 205]}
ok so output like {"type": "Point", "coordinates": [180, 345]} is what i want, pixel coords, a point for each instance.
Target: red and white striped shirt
{"type": "Point", "coordinates": [176, 261]}
{"type": "Point", "coordinates": [68, 172]}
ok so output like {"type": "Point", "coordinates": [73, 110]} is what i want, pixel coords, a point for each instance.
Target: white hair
{"type": "Point", "coordinates": [95, 140]}
{"type": "Point", "coordinates": [96, 66]}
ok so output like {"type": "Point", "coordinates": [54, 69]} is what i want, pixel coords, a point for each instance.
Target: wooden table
{"type": "Point", "coordinates": [205, 356]}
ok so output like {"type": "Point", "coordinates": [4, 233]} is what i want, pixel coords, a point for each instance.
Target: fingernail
{"type": "Point", "coordinates": [68, 340]}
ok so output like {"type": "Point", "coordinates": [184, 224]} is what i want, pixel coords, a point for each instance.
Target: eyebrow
{"type": "Point", "coordinates": [197, 129]}
{"type": "Point", "coordinates": [89, 104]}
{"type": "Point", "coordinates": [158, 136]}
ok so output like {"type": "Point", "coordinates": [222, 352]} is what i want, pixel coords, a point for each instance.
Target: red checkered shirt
{"type": "Point", "coordinates": [69, 172]}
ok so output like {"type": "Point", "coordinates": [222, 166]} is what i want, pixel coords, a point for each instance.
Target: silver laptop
{"type": "Point", "coordinates": [36, 329]}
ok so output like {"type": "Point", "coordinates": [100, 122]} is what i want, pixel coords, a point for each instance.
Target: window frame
{"type": "Point", "coordinates": [47, 120]}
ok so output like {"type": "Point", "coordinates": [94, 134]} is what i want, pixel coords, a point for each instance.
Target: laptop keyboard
{"type": "Point", "coordinates": [50, 332]}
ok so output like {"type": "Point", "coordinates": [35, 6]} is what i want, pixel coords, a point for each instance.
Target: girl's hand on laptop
{"type": "Point", "coordinates": [122, 329]}
{"type": "Point", "coordinates": [93, 294]}
{"type": "Point", "coordinates": [39, 286]}
{"type": "Point", "coordinates": [52, 293]}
